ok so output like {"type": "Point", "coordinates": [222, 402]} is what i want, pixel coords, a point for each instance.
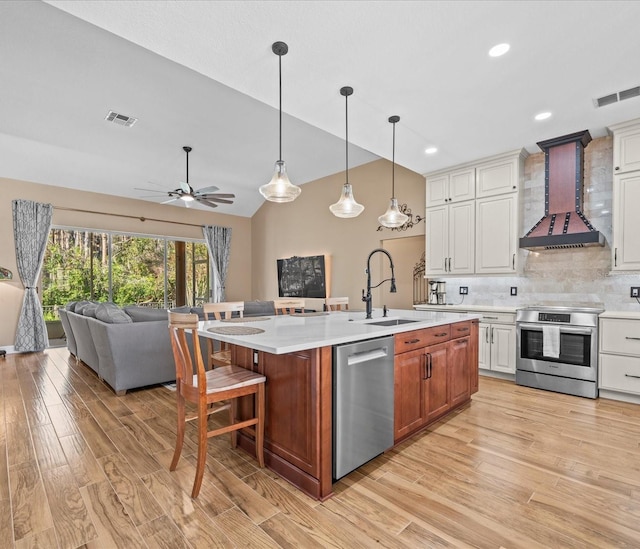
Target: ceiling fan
{"type": "Point", "coordinates": [185, 192]}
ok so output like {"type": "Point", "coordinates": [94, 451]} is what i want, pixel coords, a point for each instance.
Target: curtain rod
{"type": "Point", "coordinates": [141, 218]}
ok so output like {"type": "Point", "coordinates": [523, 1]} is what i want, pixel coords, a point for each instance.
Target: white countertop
{"type": "Point", "coordinates": [633, 315]}
{"type": "Point", "coordinates": [289, 333]}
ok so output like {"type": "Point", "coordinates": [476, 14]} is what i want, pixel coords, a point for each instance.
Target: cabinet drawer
{"type": "Point", "coordinates": [620, 336]}
{"type": "Point", "coordinates": [620, 373]}
{"type": "Point", "coordinates": [460, 329]}
{"type": "Point", "coordinates": [408, 341]}
{"type": "Point", "coordinates": [502, 318]}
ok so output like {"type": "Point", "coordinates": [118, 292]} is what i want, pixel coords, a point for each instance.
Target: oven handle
{"type": "Point", "coordinates": [563, 329]}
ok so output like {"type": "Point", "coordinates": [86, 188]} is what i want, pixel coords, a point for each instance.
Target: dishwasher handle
{"type": "Point", "coordinates": [367, 356]}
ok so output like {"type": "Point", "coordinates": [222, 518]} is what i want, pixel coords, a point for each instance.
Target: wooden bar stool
{"type": "Point", "coordinates": [218, 311]}
{"type": "Point", "coordinates": [336, 303]}
{"type": "Point", "coordinates": [288, 306]}
{"type": "Point", "coordinates": [206, 387]}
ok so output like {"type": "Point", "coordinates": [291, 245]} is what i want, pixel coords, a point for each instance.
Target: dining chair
{"type": "Point", "coordinates": [288, 306]}
{"type": "Point", "coordinates": [218, 311]}
{"type": "Point", "coordinates": [206, 387]}
{"type": "Point", "coordinates": [336, 303]}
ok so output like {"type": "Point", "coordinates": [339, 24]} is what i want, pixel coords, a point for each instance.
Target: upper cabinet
{"type": "Point", "coordinates": [626, 147]}
{"type": "Point", "coordinates": [455, 186]}
{"type": "Point", "coordinates": [472, 217]}
{"type": "Point", "coordinates": [626, 194]}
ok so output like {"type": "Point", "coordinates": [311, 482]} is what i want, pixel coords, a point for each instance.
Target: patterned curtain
{"type": "Point", "coordinates": [31, 224]}
{"type": "Point", "coordinates": [218, 240]}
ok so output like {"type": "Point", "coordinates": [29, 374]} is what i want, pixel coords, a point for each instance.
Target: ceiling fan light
{"type": "Point", "coordinates": [187, 198]}
{"type": "Point", "coordinates": [280, 189]}
{"type": "Point", "coordinates": [346, 206]}
{"type": "Point", "coordinates": [393, 217]}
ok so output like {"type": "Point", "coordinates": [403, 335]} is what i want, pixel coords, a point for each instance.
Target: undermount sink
{"type": "Point", "coordinates": [392, 322]}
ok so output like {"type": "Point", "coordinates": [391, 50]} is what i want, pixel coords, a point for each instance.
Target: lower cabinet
{"type": "Point", "coordinates": [620, 356]}
{"type": "Point", "coordinates": [435, 370]}
{"type": "Point", "coordinates": [497, 343]}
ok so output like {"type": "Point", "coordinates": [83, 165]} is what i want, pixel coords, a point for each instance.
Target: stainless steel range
{"type": "Point", "coordinates": [557, 349]}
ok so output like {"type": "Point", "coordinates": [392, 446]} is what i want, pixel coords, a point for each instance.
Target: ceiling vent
{"type": "Point", "coordinates": [617, 96]}
{"type": "Point", "coordinates": [120, 119]}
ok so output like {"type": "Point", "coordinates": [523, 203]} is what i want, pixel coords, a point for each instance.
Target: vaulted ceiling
{"type": "Point", "coordinates": [203, 74]}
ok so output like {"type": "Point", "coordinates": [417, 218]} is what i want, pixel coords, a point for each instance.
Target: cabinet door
{"type": "Point", "coordinates": [436, 386]}
{"type": "Point", "coordinates": [497, 177]}
{"type": "Point", "coordinates": [436, 240]}
{"type": "Point", "coordinates": [503, 348]}
{"type": "Point", "coordinates": [496, 234]}
{"type": "Point", "coordinates": [437, 193]}
{"type": "Point", "coordinates": [626, 151]}
{"type": "Point", "coordinates": [461, 238]}
{"type": "Point", "coordinates": [462, 185]}
{"type": "Point", "coordinates": [484, 347]}
{"type": "Point", "coordinates": [626, 222]}
{"type": "Point", "coordinates": [458, 359]}
{"type": "Point", "coordinates": [409, 411]}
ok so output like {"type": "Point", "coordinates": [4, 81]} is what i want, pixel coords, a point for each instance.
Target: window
{"type": "Point", "coordinates": [122, 268]}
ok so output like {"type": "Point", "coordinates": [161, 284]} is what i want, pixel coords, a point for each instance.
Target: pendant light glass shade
{"type": "Point", "coordinates": [280, 189]}
{"type": "Point", "coordinates": [346, 206]}
{"type": "Point", "coordinates": [393, 217]}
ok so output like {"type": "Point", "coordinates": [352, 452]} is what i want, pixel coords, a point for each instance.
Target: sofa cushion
{"type": "Point", "coordinates": [257, 308]}
{"type": "Point", "coordinates": [112, 314]}
{"type": "Point", "coordinates": [196, 311]}
{"type": "Point", "coordinates": [145, 314]}
{"type": "Point", "coordinates": [70, 306]}
{"type": "Point", "coordinates": [80, 305]}
{"type": "Point", "coordinates": [90, 310]}
{"type": "Point", "coordinates": [183, 309]}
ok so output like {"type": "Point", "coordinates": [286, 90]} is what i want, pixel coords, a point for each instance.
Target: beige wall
{"type": "Point", "coordinates": [307, 227]}
{"type": "Point", "coordinates": [11, 293]}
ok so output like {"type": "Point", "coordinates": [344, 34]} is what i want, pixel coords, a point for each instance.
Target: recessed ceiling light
{"type": "Point", "coordinates": [542, 116]}
{"type": "Point", "coordinates": [499, 49]}
{"type": "Point", "coordinates": [431, 150]}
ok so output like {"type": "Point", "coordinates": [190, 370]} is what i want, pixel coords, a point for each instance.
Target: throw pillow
{"type": "Point", "coordinates": [70, 306]}
{"type": "Point", "coordinates": [112, 314]}
{"type": "Point", "coordinates": [145, 314]}
{"type": "Point", "coordinates": [80, 305]}
{"type": "Point", "coordinates": [90, 310]}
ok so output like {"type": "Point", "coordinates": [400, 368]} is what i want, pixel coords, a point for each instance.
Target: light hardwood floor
{"type": "Point", "coordinates": [80, 467]}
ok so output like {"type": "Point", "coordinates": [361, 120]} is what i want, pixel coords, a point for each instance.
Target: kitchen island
{"type": "Point", "coordinates": [436, 367]}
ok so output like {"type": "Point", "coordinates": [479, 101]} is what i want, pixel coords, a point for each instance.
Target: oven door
{"type": "Point", "coordinates": [578, 353]}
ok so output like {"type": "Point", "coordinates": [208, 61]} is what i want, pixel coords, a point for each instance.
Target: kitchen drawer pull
{"type": "Point", "coordinates": [489, 317]}
{"type": "Point", "coordinates": [412, 341]}
{"type": "Point", "coordinates": [443, 334]}
{"type": "Point", "coordinates": [629, 375]}
{"type": "Point", "coordinates": [462, 329]}
{"type": "Point", "coordinates": [634, 338]}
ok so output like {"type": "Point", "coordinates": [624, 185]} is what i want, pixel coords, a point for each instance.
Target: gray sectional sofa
{"type": "Point", "coordinates": [128, 347]}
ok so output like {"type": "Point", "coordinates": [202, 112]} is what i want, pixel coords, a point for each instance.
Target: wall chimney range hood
{"type": "Point", "coordinates": [563, 225]}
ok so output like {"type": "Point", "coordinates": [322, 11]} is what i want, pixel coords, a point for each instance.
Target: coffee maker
{"type": "Point", "coordinates": [441, 292]}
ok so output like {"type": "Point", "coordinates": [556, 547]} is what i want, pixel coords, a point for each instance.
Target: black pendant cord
{"type": "Point", "coordinates": [393, 119]}
{"type": "Point", "coordinates": [188, 168]}
{"type": "Point", "coordinates": [280, 93]}
{"type": "Point", "coordinates": [346, 135]}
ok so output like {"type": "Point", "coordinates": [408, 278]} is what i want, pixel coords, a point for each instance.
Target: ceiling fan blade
{"type": "Point", "coordinates": [207, 203]}
{"type": "Point", "coordinates": [215, 199]}
{"type": "Point", "coordinates": [157, 191]}
{"type": "Point", "coordinates": [168, 201]}
{"type": "Point", "coordinates": [206, 190]}
{"type": "Point", "coordinates": [215, 195]}
{"type": "Point", "coordinates": [185, 187]}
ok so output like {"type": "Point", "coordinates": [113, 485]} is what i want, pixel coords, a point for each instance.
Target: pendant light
{"type": "Point", "coordinates": [393, 217]}
{"type": "Point", "coordinates": [280, 189]}
{"type": "Point", "coordinates": [346, 206]}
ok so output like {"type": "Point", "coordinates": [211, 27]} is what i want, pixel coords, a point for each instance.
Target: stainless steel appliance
{"type": "Point", "coordinates": [433, 292]}
{"type": "Point", "coordinates": [442, 292]}
{"type": "Point", "coordinates": [362, 402]}
{"type": "Point", "coordinates": [557, 349]}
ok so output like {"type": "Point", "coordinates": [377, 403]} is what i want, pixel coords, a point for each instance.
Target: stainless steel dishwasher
{"type": "Point", "coordinates": [362, 402]}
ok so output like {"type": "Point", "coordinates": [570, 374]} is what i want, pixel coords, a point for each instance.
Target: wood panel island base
{"type": "Point", "coordinates": [435, 371]}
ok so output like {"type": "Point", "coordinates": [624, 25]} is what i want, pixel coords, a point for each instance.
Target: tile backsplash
{"type": "Point", "coordinates": [571, 276]}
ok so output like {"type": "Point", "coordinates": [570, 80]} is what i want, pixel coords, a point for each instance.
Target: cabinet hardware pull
{"type": "Point", "coordinates": [486, 334]}
{"type": "Point", "coordinates": [412, 341]}
{"type": "Point", "coordinates": [426, 366]}
{"type": "Point", "coordinates": [441, 335]}
{"type": "Point", "coordinates": [489, 317]}
{"type": "Point", "coordinates": [491, 335]}
{"type": "Point", "coordinates": [430, 365]}
{"type": "Point", "coordinates": [634, 338]}
{"type": "Point", "coordinates": [615, 257]}
{"type": "Point", "coordinates": [462, 329]}
{"type": "Point", "coordinates": [629, 375]}
{"type": "Point", "coordinates": [617, 168]}
{"type": "Point", "coordinates": [513, 262]}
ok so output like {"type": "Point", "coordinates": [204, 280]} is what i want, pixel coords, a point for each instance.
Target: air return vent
{"type": "Point", "coordinates": [617, 96]}
{"type": "Point", "coordinates": [120, 119]}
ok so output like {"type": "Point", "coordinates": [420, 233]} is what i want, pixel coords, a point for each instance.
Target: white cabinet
{"type": "Point", "coordinates": [498, 176]}
{"type": "Point", "coordinates": [626, 147]}
{"type": "Point", "coordinates": [626, 193]}
{"type": "Point", "coordinates": [619, 365]}
{"type": "Point", "coordinates": [449, 243]}
{"type": "Point", "coordinates": [497, 343]}
{"type": "Point", "coordinates": [496, 234]}
{"type": "Point", "coordinates": [454, 186]}
{"type": "Point", "coordinates": [487, 194]}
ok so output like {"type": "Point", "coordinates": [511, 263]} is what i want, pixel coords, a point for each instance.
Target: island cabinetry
{"type": "Point", "coordinates": [433, 374]}
{"type": "Point", "coordinates": [297, 440]}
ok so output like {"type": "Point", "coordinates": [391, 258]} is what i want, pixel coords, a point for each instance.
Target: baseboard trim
{"type": "Point", "coordinates": [8, 349]}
